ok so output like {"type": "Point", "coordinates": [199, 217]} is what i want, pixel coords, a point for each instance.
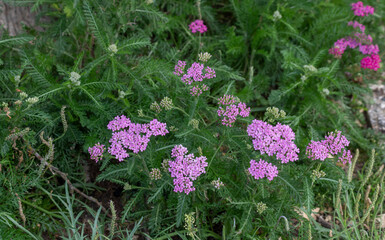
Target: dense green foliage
{"type": "Point", "coordinates": [256, 57]}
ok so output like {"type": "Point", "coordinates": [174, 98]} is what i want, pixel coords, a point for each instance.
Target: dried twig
{"type": "Point", "coordinates": [63, 175]}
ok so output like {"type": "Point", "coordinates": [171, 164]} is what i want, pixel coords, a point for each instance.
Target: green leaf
{"type": "Point", "coordinates": [180, 208]}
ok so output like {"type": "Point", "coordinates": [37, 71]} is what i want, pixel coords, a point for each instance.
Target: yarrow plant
{"type": "Point", "coordinates": [198, 26]}
{"type": "Point", "coordinates": [274, 140]}
{"type": "Point", "coordinates": [155, 174]}
{"type": "Point", "coordinates": [361, 10]}
{"type": "Point", "coordinates": [333, 144]}
{"type": "Point", "coordinates": [217, 183]}
{"type": "Point", "coordinates": [185, 169]}
{"type": "Point", "coordinates": [96, 151]}
{"type": "Point", "coordinates": [233, 108]}
{"type": "Point", "coordinates": [360, 40]}
{"type": "Point", "coordinates": [132, 136]}
{"type": "Point", "coordinates": [195, 76]}
{"type": "Point", "coordinates": [262, 169]}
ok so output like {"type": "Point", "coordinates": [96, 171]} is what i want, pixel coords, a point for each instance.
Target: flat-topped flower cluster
{"type": "Point", "coordinates": [185, 169]}
{"type": "Point", "coordinates": [132, 136]}
{"type": "Point", "coordinates": [333, 144]}
{"type": "Point", "coordinates": [262, 169]}
{"type": "Point", "coordinates": [198, 26]}
{"type": "Point", "coordinates": [233, 108]}
{"type": "Point", "coordinates": [194, 76]}
{"type": "Point", "coordinates": [274, 140]}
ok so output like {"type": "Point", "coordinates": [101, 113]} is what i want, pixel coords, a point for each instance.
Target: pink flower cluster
{"type": "Point", "coordinates": [333, 144]}
{"type": "Point", "coordinates": [232, 109]}
{"type": "Point", "coordinates": [341, 44]}
{"type": "Point", "coordinates": [96, 151]}
{"type": "Point", "coordinates": [371, 62]}
{"type": "Point", "coordinates": [195, 76]}
{"type": "Point", "coordinates": [361, 10]}
{"type": "Point", "coordinates": [274, 140]}
{"type": "Point", "coordinates": [360, 40]}
{"type": "Point", "coordinates": [185, 169]}
{"type": "Point", "coordinates": [132, 136]}
{"type": "Point", "coordinates": [356, 24]}
{"type": "Point", "coordinates": [198, 26]}
{"type": "Point", "coordinates": [262, 169]}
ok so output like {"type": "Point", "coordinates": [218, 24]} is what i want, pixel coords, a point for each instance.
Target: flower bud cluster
{"type": "Point", "coordinates": [155, 174]}
{"type": "Point", "coordinates": [74, 78]}
{"type": "Point", "coordinates": [273, 113]}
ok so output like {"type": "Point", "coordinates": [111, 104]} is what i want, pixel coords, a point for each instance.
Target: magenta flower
{"type": "Point", "coordinates": [317, 150]}
{"type": "Point", "coordinates": [179, 68]}
{"type": "Point", "coordinates": [361, 10]}
{"type": "Point", "coordinates": [356, 24]}
{"type": "Point", "coordinates": [132, 136]}
{"type": "Point", "coordinates": [194, 76]}
{"type": "Point", "coordinates": [333, 144]}
{"type": "Point", "coordinates": [274, 140]}
{"type": "Point", "coordinates": [346, 157]}
{"type": "Point", "coordinates": [262, 169]}
{"type": "Point", "coordinates": [198, 26]}
{"type": "Point", "coordinates": [371, 62]}
{"type": "Point", "coordinates": [232, 109]}
{"type": "Point", "coordinates": [96, 151]}
{"type": "Point", "coordinates": [185, 169]}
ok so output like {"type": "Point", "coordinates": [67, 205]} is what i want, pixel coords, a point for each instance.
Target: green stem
{"type": "Point", "coordinates": [41, 209]}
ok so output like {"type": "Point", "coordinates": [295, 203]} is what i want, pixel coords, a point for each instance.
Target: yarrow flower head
{"type": "Point", "coordinates": [198, 26]}
{"type": "Point", "coordinates": [371, 62]}
{"type": "Point", "coordinates": [356, 24]}
{"type": "Point", "coordinates": [276, 16]}
{"type": "Point", "coordinates": [74, 78]}
{"type": "Point", "coordinates": [317, 150]}
{"type": "Point", "coordinates": [132, 136]}
{"type": "Point", "coordinates": [155, 174]}
{"type": "Point", "coordinates": [166, 103]}
{"type": "Point", "coordinates": [113, 48]}
{"type": "Point", "coordinates": [32, 100]}
{"type": "Point", "coordinates": [262, 169]}
{"type": "Point", "coordinates": [217, 183]}
{"type": "Point", "coordinates": [179, 68]}
{"type": "Point", "coordinates": [361, 10]}
{"type": "Point", "coordinates": [189, 224]}
{"type": "Point", "coordinates": [261, 207]}
{"type": "Point", "coordinates": [155, 107]}
{"type": "Point", "coordinates": [194, 123]}
{"type": "Point", "coordinates": [122, 94]}
{"type": "Point", "coordinates": [273, 113]}
{"type": "Point", "coordinates": [230, 109]}
{"type": "Point", "coordinates": [204, 57]}
{"type": "Point", "coordinates": [333, 144]}
{"type": "Point", "coordinates": [23, 95]}
{"type": "Point", "coordinates": [96, 151]}
{"type": "Point", "coordinates": [195, 76]}
{"type": "Point", "coordinates": [17, 80]}
{"type": "Point", "coordinates": [274, 140]}
{"type": "Point", "coordinates": [185, 169]}
{"type": "Point", "coordinates": [310, 68]}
